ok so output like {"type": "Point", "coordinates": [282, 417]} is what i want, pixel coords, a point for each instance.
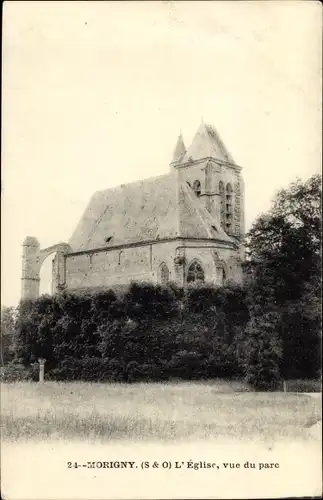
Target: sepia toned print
{"type": "Point", "coordinates": [161, 277]}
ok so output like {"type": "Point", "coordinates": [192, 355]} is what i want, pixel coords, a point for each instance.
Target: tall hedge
{"type": "Point", "coordinates": [148, 332]}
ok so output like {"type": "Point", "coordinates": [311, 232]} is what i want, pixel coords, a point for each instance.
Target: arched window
{"type": "Point", "coordinates": [163, 274]}
{"type": "Point", "coordinates": [197, 188]}
{"type": "Point", "coordinates": [195, 273]}
{"type": "Point", "coordinates": [229, 188]}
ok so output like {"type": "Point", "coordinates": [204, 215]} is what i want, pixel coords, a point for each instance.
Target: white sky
{"type": "Point", "coordinates": [95, 95]}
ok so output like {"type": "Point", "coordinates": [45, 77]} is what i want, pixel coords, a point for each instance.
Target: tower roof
{"type": "Point", "coordinates": [179, 150]}
{"type": "Point", "coordinates": [207, 143]}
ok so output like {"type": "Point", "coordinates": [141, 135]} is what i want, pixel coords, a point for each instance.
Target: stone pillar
{"type": "Point", "coordinates": [58, 272]}
{"type": "Point", "coordinates": [179, 266]}
{"type": "Point", "coordinates": [30, 278]}
{"type": "Point", "coordinates": [55, 275]}
{"type": "Point", "coordinates": [41, 362]}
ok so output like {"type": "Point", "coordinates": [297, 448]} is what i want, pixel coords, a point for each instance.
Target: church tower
{"type": "Point", "coordinates": [210, 171]}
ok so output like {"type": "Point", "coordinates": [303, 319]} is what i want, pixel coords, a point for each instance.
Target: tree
{"type": "Point", "coordinates": [262, 352]}
{"type": "Point", "coordinates": [8, 317]}
{"type": "Point", "coordinates": [283, 270]}
{"type": "Point", "coordinates": [283, 246]}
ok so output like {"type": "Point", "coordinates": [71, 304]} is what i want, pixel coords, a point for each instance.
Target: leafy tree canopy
{"type": "Point", "coordinates": [283, 246]}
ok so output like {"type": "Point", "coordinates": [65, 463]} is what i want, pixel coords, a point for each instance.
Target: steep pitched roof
{"type": "Point", "coordinates": [207, 143]}
{"type": "Point", "coordinates": [195, 219]}
{"type": "Point", "coordinates": [142, 211]}
{"type": "Point", "coordinates": [139, 211]}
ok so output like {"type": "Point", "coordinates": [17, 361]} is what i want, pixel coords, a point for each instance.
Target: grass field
{"type": "Point", "coordinates": [179, 411]}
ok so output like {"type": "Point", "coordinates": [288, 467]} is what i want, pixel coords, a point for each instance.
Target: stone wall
{"type": "Point", "coordinates": [142, 263]}
{"type": "Point", "coordinates": [119, 266]}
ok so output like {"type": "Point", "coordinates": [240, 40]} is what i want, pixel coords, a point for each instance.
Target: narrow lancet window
{"type": "Point", "coordinates": [197, 188]}
{"type": "Point", "coordinates": [163, 274]}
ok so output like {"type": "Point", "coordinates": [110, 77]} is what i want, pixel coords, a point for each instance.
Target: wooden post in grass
{"type": "Point", "coordinates": [41, 362]}
{"type": "Point", "coordinates": [285, 386]}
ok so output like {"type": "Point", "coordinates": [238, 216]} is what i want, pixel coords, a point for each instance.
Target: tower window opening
{"type": "Point", "coordinates": [228, 207]}
{"type": "Point", "coordinates": [222, 204]}
{"type": "Point", "coordinates": [197, 188]}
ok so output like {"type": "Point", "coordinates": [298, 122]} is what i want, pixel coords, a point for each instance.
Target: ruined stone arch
{"type": "Point", "coordinates": [195, 272]}
{"type": "Point", "coordinates": [32, 260]}
{"type": "Point", "coordinates": [62, 248]}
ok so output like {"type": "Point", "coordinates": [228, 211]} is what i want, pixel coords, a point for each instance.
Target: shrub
{"type": "Point", "coordinates": [16, 372]}
{"type": "Point", "coordinates": [262, 353]}
{"type": "Point", "coordinates": [201, 298]}
{"type": "Point", "coordinates": [147, 299]}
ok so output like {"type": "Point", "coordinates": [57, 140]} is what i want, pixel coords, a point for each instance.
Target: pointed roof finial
{"type": "Point", "coordinates": [180, 149]}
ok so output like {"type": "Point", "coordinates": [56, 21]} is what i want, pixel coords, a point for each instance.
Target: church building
{"type": "Point", "coordinates": [184, 226]}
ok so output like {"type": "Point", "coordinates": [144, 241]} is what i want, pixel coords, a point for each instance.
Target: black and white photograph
{"type": "Point", "coordinates": [161, 250]}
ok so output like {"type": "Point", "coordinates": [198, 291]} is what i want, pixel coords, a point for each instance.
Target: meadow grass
{"type": "Point", "coordinates": [152, 411]}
